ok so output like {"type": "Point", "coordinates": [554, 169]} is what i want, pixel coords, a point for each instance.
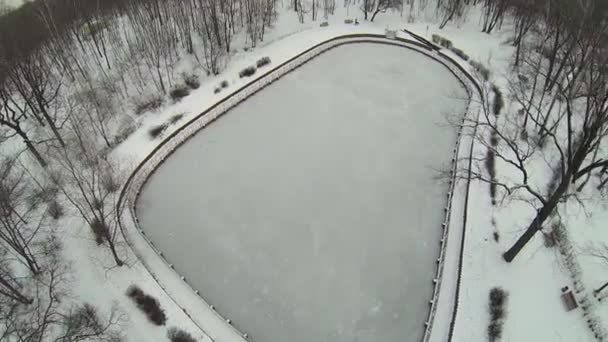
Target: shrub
{"type": "Point", "coordinates": [148, 104]}
{"type": "Point", "coordinates": [124, 131]}
{"type": "Point", "coordinates": [175, 118]}
{"type": "Point", "coordinates": [483, 71]}
{"type": "Point", "coordinates": [84, 318]}
{"type": "Point", "coordinates": [494, 139]}
{"type": "Point", "coordinates": [523, 78]}
{"type": "Point", "coordinates": [550, 239]}
{"type": "Point", "coordinates": [148, 304]}
{"type": "Point", "coordinates": [100, 231]}
{"type": "Point", "coordinates": [494, 331]}
{"type": "Point", "coordinates": [496, 236]}
{"type": "Point", "coordinates": [192, 81]}
{"type": "Point", "coordinates": [217, 90]}
{"type": "Point", "coordinates": [460, 54]}
{"type": "Point", "coordinates": [110, 182]}
{"type": "Point", "coordinates": [496, 306]}
{"type": "Point", "coordinates": [498, 297]}
{"type": "Point", "coordinates": [324, 24]}
{"type": "Point", "coordinates": [178, 335]}
{"type": "Point", "coordinates": [248, 71]}
{"type": "Point", "coordinates": [224, 83]}
{"type": "Point", "coordinates": [179, 92]}
{"type": "Point", "coordinates": [499, 102]}
{"type": "Point", "coordinates": [490, 164]}
{"type": "Point", "coordinates": [156, 131]}
{"type": "Point", "coordinates": [348, 21]}
{"type": "Point", "coordinates": [55, 209]}
{"type": "Point", "coordinates": [134, 291]}
{"type": "Point", "coordinates": [262, 62]}
{"type": "Point", "coordinates": [446, 43]}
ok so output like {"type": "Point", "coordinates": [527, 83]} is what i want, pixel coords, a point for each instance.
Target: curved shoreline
{"type": "Point", "coordinates": [129, 223]}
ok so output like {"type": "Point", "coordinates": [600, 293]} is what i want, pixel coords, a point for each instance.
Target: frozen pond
{"type": "Point", "coordinates": [311, 211]}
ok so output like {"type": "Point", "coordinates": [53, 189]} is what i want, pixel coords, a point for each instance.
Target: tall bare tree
{"type": "Point", "coordinates": [570, 126]}
{"type": "Point", "coordinates": [90, 182]}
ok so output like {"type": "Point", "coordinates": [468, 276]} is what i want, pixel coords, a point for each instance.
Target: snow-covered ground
{"type": "Point", "coordinates": [533, 280]}
{"type": "Point", "coordinates": [310, 212]}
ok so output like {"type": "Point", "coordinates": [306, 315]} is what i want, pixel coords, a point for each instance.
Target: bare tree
{"type": "Point", "coordinates": [381, 6]}
{"type": "Point", "coordinates": [12, 116]}
{"type": "Point", "coordinates": [493, 13]}
{"type": "Point", "coordinates": [37, 90]}
{"type": "Point", "coordinates": [568, 137]}
{"type": "Point", "coordinates": [20, 222]}
{"type": "Point", "coordinates": [600, 252]}
{"type": "Point", "coordinates": [449, 10]}
{"type": "Point", "coordinates": [90, 182]}
{"type": "Point", "coordinates": [49, 315]}
{"type": "Point", "coordinates": [10, 287]}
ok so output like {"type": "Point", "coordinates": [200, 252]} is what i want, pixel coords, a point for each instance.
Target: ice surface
{"type": "Point", "coordinates": [312, 212]}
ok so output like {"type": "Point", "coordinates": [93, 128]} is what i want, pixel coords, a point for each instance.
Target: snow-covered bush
{"type": "Point", "coordinates": [124, 131]}
{"type": "Point", "coordinates": [55, 209]}
{"type": "Point", "coordinates": [175, 118]}
{"type": "Point", "coordinates": [248, 71]}
{"type": "Point", "coordinates": [494, 139]}
{"type": "Point", "coordinates": [179, 92]}
{"type": "Point", "coordinates": [147, 104]}
{"type": "Point", "coordinates": [178, 335]}
{"type": "Point", "coordinates": [499, 102]}
{"type": "Point", "coordinates": [263, 61]}
{"type": "Point", "coordinates": [156, 131]}
{"type": "Point", "coordinates": [224, 84]}
{"type": "Point", "coordinates": [490, 164]}
{"type": "Point", "coordinates": [191, 81]}
{"type": "Point", "coordinates": [446, 43]}
{"type": "Point", "coordinates": [497, 302]}
{"type": "Point", "coordinates": [100, 231]}
{"type": "Point", "coordinates": [148, 304]}
{"type": "Point", "coordinates": [483, 71]}
{"type": "Point", "coordinates": [460, 53]}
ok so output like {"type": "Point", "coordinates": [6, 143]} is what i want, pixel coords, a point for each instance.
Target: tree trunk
{"type": "Point", "coordinates": [53, 127]}
{"type": "Point", "coordinates": [596, 291]}
{"type": "Point", "coordinates": [375, 14]}
{"type": "Point", "coordinates": [11, 292]}
{"type": "Point", "coordinates": [33, 150]}
{"type": "Point", "coordinates": [117, 259]}
{"type": "Point", "coordinates": [541, 217]}
{"type": "Point", "coordinates": [534, 227]}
